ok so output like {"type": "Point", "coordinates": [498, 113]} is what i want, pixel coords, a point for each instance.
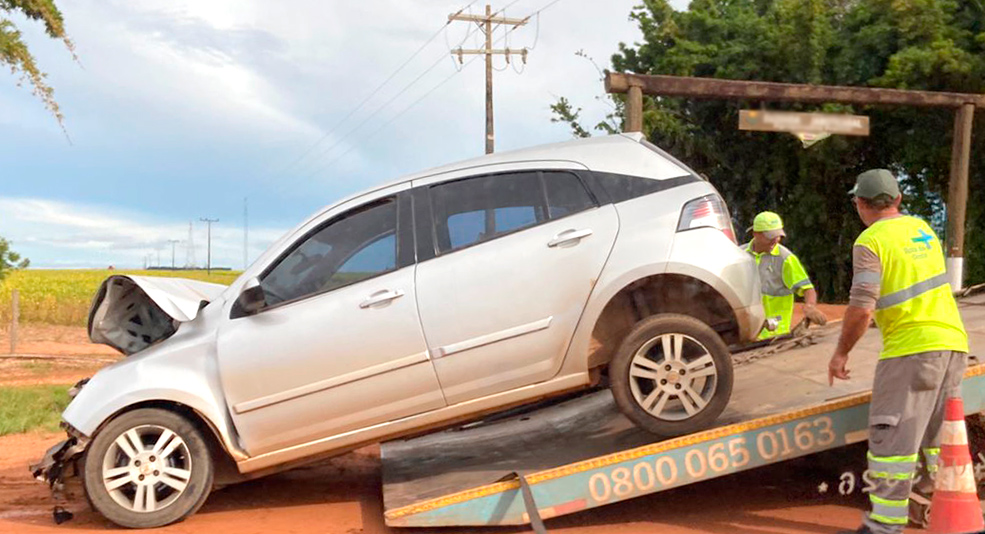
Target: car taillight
{"type": "Point", "coordinates": [707, 212]}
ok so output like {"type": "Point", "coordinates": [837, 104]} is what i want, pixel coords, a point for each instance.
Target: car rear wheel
{"type": "Point", "coordinates": [148, 468]}
{"type": "Point", "coordinates": [672, 375]}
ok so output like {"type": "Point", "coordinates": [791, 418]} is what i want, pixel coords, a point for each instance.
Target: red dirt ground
{"type": "Point", "coordinates": [53, 340]}
{"type": "Point", "coordinates": [343, 495]}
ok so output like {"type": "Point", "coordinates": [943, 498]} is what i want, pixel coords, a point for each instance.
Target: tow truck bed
{"type": "Point", "coordinates": [582, 453]}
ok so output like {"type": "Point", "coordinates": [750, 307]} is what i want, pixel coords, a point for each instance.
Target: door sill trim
{"type": "Point", "coordinates": [335, 381]}
{"type": "Point", "coordinates": [414, 424]}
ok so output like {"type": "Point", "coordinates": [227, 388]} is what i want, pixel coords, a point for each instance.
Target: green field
{"type": "Point", "coordinates": [62, 297]}
{"type": "Point", "coordinates": [27, 408]}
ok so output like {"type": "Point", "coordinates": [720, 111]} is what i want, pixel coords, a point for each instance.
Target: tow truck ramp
{"type": "Point", "coordinates": [582, 453]}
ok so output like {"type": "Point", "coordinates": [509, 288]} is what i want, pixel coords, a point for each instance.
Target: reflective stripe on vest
{"type": "Point", "coordinates": [915, 290]}
{"type": "Point", "coordinates": [916, 311]}
{"type": "Point", "coordinates": [777, 298]}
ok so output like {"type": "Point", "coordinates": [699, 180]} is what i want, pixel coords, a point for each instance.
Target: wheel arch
{"type": "Point", "coordinates": [223, 458]}
{"type": "Point", "coordinates": [645, 296]}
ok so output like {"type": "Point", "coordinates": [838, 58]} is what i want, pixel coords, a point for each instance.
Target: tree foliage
{"type": "Point", "coordinates": [15, 54]}
{"type": "Point", "coordinates": [936, 45]}
{"type": "Point", "coordinates": [10, 260]}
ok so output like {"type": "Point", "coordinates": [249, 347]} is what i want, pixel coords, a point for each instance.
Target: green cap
{"type": "Point", "coordinates": [768, 223]}
{"type": "Point", "coordinates": [872, 183]}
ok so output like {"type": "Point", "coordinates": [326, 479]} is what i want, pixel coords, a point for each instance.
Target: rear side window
{"type": "Point", "coordinates": [471, 211]}
{"type": "Point", "coordinates": [565, 194]}
{"type": "Point", "coordinates": [621, 187]}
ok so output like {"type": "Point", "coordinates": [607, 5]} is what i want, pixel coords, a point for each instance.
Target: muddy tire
{"type": "Point", "coordinates": [672, 375]}
{"type": "Point", "coordinates": [147, 468]}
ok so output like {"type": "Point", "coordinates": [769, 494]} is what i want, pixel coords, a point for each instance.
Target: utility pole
{"type": "Point", "coordinates": [486, 25]}
{"type": "Point", "coordinates": [207, 221]}
{"type": "Point", "coordinates": [190, 248]}
{"type": "Point", "coordinates": [173, 243]}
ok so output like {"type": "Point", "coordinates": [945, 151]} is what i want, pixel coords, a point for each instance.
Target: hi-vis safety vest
{"type": "Point", "coordinates": [781, 275]}
{"type": "Point", "coordinates": [916, 311]}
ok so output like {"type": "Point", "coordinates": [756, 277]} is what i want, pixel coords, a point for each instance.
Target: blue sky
{"type": "Point", "coordinates": [179, 109]}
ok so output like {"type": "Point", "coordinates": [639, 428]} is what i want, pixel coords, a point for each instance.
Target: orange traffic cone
{"type": "Point", "coordinates": [954, 508]}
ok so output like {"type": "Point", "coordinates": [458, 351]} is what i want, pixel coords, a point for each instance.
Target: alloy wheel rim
{"type": "Point", "coordinates": [147, 468]}
{"type": "Point", "coordinates": [673, 377]}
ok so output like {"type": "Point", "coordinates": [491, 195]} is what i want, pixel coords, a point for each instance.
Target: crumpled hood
{"type": "Point", "coordinates": [130, 313]}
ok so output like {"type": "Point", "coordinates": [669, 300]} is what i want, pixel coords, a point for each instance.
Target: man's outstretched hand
{"type": "Point", "coordinates": [838, 368]}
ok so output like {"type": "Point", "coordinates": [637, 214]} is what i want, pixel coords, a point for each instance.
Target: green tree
{"type": "Point", "coordinates": [10, 260]}
{"type": "Point", "coordinates": [15, 54]}
{"type": "Point", "coordinates": [934, 45]}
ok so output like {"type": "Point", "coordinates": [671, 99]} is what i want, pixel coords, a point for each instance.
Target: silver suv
{"type": "Point", "coordinates": [442, 297]}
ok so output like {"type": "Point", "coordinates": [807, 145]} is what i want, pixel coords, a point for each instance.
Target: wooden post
{"type": "Point", "coordinates": [15, 308]}
{"type": "Point", "coordinates": [957, 197]}
{"type": "Point", "coordinates": [490, 134]}
{"type": "Point", "coordinates": [634, 109]}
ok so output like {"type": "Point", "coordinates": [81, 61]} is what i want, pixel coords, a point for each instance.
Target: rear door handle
{"type": "Point", "coordinates": [568, 236]}
{"type": "Point", "coordinates": [380, 297]}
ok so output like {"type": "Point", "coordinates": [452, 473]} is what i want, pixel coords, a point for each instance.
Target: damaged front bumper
{"type": "Point", "coordinates": [60, 462]}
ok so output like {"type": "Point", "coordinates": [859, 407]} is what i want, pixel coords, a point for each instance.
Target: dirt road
{"type": "Point", "coordinates": [343, 497]}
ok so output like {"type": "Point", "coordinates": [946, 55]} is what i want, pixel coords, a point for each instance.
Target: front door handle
{"type": "Point", "coordinates": [380, 297]}
{"type": "Point", "coordinates": [568, 236]}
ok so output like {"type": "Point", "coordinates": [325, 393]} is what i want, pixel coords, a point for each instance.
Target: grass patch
{"type": "Point", "coordinates": [27, 408]}
{"type": "Point", "coordinates": [37, 368]}
{"type": "Point", "coordinates": [62, 296]}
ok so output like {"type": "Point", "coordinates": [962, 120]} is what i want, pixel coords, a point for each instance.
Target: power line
{"type": "Point", "coordinates": [433, 89]}
{"type": "Point", "coordinates": [400, 113]}
{"type": "Point", "coordinates": [375, 113]}
{"type": "Point", "coordinates": [368, 97]}
{"type": "Point", "coordinates": [362, 123]}
{"type": "Point", "coordinates": [382, 107]}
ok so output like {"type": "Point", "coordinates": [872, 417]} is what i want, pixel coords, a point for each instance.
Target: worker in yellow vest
{"type": "Point", "coordinates": [781, 275]}
{"type": "Point", "coordinates": [899, 276]}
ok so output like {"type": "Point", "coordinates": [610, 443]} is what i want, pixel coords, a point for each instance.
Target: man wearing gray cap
{"type": "Point", "coordinates": [900, 278]}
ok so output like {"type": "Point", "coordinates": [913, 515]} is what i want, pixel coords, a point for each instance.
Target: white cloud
{"type": "Point", "coordinates": [182, 107]}
{"type": "Point", "coordinates": [53, 233]}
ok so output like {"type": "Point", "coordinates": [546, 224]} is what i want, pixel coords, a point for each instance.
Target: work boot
{"type": "Point", "coordinates": [864, 529]}
{"type": "Point", "coordinates": [919, 509]}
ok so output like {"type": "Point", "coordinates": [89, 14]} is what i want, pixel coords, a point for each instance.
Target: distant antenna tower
{"type": "Point", "coordinates": [190, 262]}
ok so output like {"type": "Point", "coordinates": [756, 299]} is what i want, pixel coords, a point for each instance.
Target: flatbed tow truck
{"type": "Point", "coordinates": [582, 453]}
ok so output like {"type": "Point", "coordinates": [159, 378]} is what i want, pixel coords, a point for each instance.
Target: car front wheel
{"type": "Point", "coordinates": [148, 468]}
{"type": "Point", "coordinates": [672, 375]}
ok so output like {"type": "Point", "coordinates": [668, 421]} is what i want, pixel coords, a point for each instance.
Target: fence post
{"type": "Point", "coordinates": [15, 305]}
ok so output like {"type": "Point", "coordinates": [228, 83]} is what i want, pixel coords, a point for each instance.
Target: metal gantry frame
{"type": "Point", "coordinates": [963, 104]}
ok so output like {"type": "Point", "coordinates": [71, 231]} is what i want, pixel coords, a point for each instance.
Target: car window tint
{"type": "Point", "coordinates": [478, 209]}
{"type": "Point", "coordinates": [508, 219]}
{"type": "Point", "coordinates": [466, 228]}
{"type": "Point", "coordinates": [359, 245]}
{"type": "Point", "coordinates": [565, 194]}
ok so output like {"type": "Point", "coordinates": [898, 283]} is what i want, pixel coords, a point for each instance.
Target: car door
{"type": "Point", "coordinates": [339, 345]}
{"type": "Point", "coordinates": [511, 259]}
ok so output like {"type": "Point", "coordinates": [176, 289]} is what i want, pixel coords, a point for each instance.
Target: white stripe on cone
{"type": "Point", "coordinates": [954, 433]}
{"type": "Point", "coordinates": [959, 478]}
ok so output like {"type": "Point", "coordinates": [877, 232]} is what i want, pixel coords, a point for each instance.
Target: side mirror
{"type": "Point", "coordinates": [250, 300]}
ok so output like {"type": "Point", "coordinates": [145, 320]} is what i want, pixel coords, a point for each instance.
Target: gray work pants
{"type": "Point", "coordinates": [905, 418]}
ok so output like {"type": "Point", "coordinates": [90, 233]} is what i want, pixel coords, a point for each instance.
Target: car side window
{"type": "Point", "coordinates": [473, 210]}
{"type": "Point", "coordinates": [359, 244]}
{"type": "Point", "coordinates": [565, 194]}
{"type": "Point", "coordinates": [478, 209]}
